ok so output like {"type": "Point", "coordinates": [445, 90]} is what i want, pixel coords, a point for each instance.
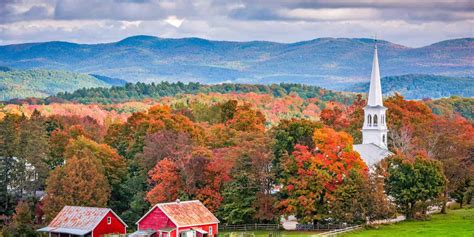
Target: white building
{"type": "Point", "coordinates": [374, 131]}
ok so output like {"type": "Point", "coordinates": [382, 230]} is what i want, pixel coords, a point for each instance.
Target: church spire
{"type": "Point", "coordinates": [375, 92]}
{"type": "Point", "coordinates": [375, 127]}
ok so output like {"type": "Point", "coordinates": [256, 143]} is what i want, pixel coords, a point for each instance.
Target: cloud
{"type": "Point", "coordinates": [174, 21]}
{"type": "Point", "coordinates": [412, 23]}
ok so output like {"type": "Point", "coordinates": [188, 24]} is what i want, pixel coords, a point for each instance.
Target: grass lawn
{"type": "Point", "coordinates": [456, 223]}
{"type": "Point", "coordinates": [266, 233]}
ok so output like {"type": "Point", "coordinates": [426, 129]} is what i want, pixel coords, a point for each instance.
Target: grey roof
{"type": "Point", "coordinates": [142, 233]}
{"type": "Point", "coordinates": [71, 231]}
{"type": "Point", "coordinates": [371, 153]}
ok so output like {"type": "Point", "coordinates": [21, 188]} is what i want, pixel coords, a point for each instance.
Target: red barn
{"type": "Point", "coordinates": [183, 219]}
{"type": "Point", "coordinates": [85, 221]}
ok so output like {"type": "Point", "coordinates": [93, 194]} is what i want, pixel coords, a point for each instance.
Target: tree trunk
{"type": "Point", "coordinates": [445, 200]}
{"type": "Point", "coordinates": [410, 211]}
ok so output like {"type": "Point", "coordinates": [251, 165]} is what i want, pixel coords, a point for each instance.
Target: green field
{"type": "Point", "coordinates": [455, 223]}
{"type": "Point", "coordinates": [267, 233]}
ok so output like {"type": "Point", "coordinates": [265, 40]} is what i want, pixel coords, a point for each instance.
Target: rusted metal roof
{"type": "Point", "coordinates": [188, 213]}
{"type": "Point", "coordinates": [80, 218]}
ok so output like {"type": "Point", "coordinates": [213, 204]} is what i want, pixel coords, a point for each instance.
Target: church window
{"type": "Point", "coordinates": [383, 138]}
{"type": "Point", "coordinates": [369, 120]}
{"type": "Point", "coordinates": [375, 120]}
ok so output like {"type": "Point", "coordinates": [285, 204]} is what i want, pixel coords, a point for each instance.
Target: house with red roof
{"type": "Point", "coordinates": [178, 219]}
{"type": "Point", "coordinates": [74, 221]}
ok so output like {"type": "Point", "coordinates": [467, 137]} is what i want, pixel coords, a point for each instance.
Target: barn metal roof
{"type": "Point", "coordinates": [76, 220]}
{"type": "Point", "coordinates": [65, 230]}
{"type": "Point", "coordinates": [186, 213]}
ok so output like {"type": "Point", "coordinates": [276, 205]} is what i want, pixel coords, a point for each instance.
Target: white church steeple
{"type": "Point", "coordinates": [375, 91]}
{"type": "Point", "coordinates": [375, 128]}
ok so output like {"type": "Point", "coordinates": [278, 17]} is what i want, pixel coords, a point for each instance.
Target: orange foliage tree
{"type": "Point", "coordinates": [312, 178]}
{"type": "Point", "coordinates": [80, 182]}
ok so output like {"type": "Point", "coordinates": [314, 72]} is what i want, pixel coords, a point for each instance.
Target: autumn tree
{"type": "Point", "coordinates": [379, 205]}
{"type": "Point", "coordinates": [129, 138]}
{"type": "Point", "coordinates": [164, 144]}
{"type": "Point", "coordinates": [113, 164]}
{"type": "Point", "coordinates": [335, 117]}
{"type": "Point", "coordinates": [165, 181]}
{"type": "Point", "coordinates": [247, 119]}
{"type": "Point", "coordinates": [80, 182]}
{"type": "Point", "coordinates": [413, 179]}
{"type": "Point", "coordinates": [448, 139]}
{"type": "Point", "coordinates": [23, 220]}
{"type": "Point", "coordinates": [312, 178]}
{"type": "Point", "coordinates": [289, 133]}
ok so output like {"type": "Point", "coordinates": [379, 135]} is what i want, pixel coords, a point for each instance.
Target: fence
{"type": "Point", "coordinates": [340, 231]}
{"type": "Point", "coordinates": [319, 226]}
{"type": "Point", "coordinates": [308, 227]}
{"type": "Point", "coordinates": [248, 227]}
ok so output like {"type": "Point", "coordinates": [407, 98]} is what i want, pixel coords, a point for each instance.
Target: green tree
{"type": "Point", "coordinates": [34, 152]}
{"type": "Point", "coordinates": [239, 194]}
{"type": "Point", "coordinates": [413, 179]}
{"type": "Point", "coordinates": [9, 149]}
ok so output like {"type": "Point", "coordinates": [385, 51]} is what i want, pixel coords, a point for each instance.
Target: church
{"type": "Point", "coordinates": [374, 131]}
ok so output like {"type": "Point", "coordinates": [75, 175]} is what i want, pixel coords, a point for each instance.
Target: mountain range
{"type": "Point", "coordinates": [333, 63]}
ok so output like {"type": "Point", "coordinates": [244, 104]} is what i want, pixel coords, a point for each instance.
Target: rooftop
{"type": "Point", "coordinates": [188, 213]}
{"type": "Point", "coordinates": [77, 220]}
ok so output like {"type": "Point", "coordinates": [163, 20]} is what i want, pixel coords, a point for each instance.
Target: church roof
{"type": "Point", "coordinates": [371, 153]}
{"type": "Point", "coordinates": [375, 91]}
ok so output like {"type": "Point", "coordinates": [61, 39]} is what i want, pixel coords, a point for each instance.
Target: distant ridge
{"type": "Point", "coordinates": [42, 83]}
{"type": "Point", "coordinates": [418, 86]}
{"type": "Point", "coordinates": [328, 62]}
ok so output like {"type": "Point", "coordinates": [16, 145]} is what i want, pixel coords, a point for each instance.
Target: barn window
{"type": "Point", "coordinates": [109, 220]}
{"type": "Point", "coordinates": [210, 231]}
{"type": "Point", "coordinates": [369, 120]}
{"type": "Point", "coordinates": [375, 120]}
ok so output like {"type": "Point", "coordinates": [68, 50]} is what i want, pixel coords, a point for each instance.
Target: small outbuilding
{"type": "Point", "coordinates": [178, 219]}
{"type": "Point", "coordinates": [74, 221]}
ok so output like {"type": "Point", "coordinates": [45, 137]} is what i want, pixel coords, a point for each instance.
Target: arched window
{"type": "Point", "coordinates": [375, 120]}
{"type": "Point", "coordinates": [369, 120]}
{"type": "Point", "coordinates": [383, 138]}
{"type": "Point", "coordinates": [382, 121]}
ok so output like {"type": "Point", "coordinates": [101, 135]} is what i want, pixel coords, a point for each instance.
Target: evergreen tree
{"type": "Point", "coordinates": [239, 194]}
{"type": "Point", "coordinates": [9, 147]}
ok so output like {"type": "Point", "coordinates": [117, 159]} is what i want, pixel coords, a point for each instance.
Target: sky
{"type": "Point", "coordinates": [413, 23]}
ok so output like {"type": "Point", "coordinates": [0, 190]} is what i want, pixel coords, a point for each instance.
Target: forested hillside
{"type": "Point", "coordinates": [227, 151]}
{"type": "Point", "coordinates": [42, 83]}
{"type": "Point", "coordinates": [139, 91]}
{"type": "Point", "coordinates": [419, 86]}
{"type": "Point", "coordinates": [326, 62]}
